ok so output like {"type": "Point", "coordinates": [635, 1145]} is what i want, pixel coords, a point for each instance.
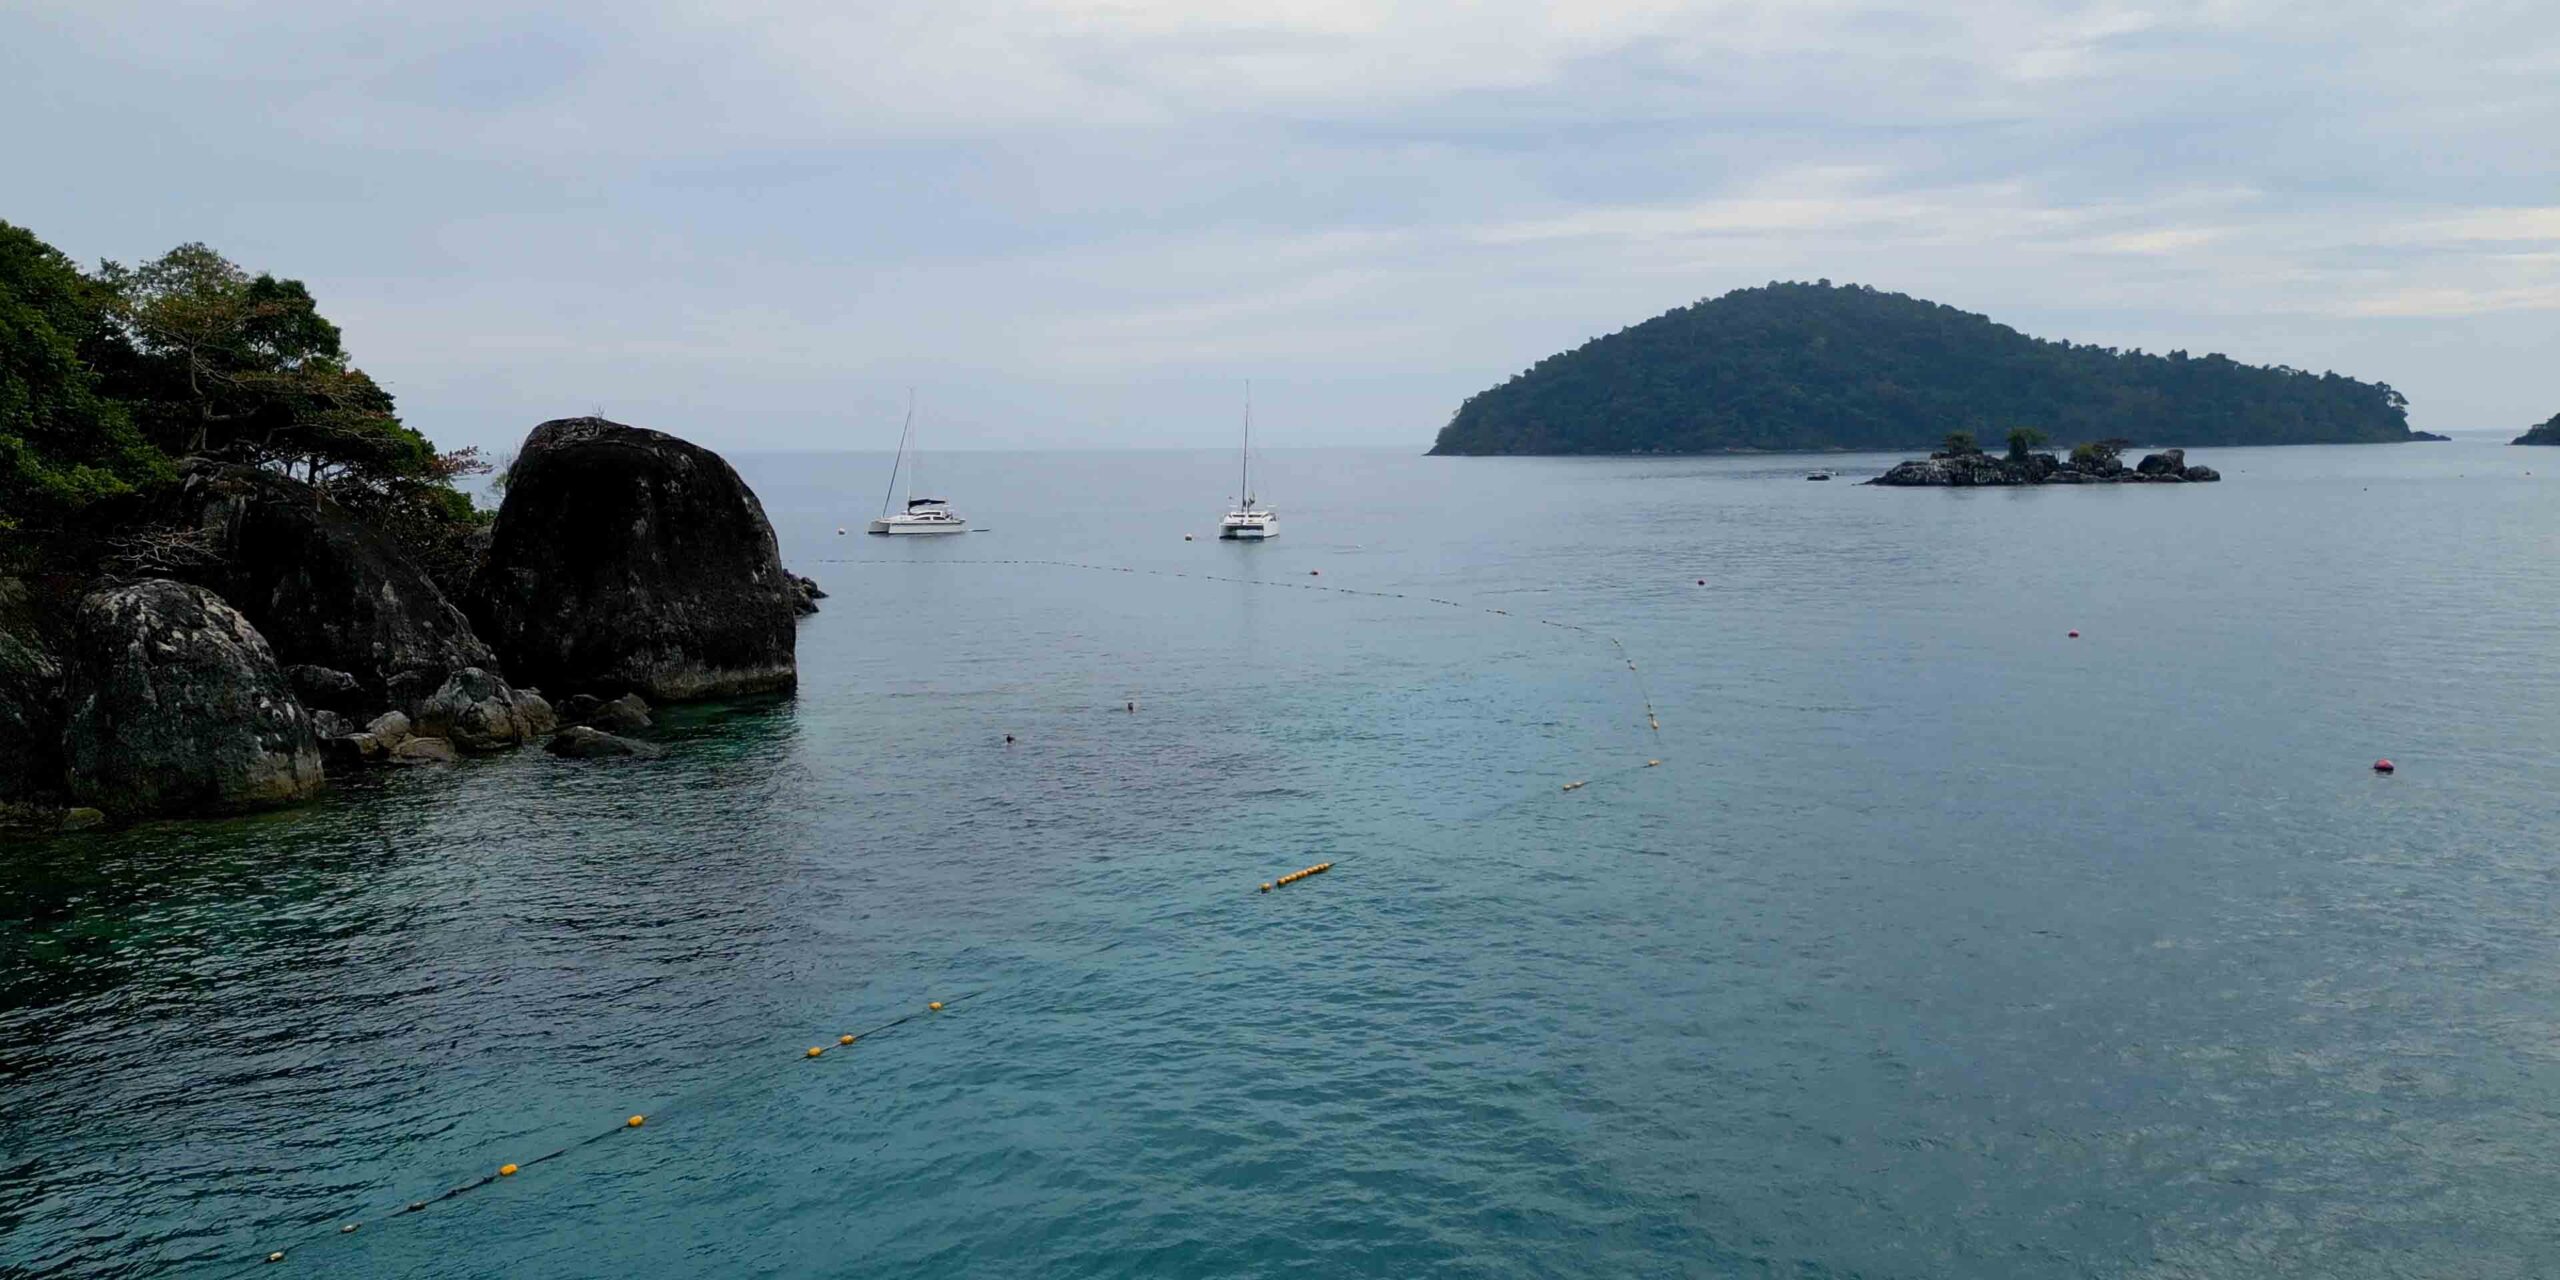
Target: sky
{"type": "Point", "coordinates": [1089, 223]}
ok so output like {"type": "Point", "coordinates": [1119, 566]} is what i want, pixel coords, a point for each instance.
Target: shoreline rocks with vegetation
{"type": "Point", "coordinates": [1961, 464]}
{"type": "Point", "coordinates": [2547, 433]}
{"type": "Point", "coordinates": [227, 569]}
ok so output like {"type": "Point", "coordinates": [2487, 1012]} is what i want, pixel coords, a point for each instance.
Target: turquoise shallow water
{"type": "Point", "coordinates": [1940, 945]}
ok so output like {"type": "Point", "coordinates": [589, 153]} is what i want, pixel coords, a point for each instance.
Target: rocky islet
{"type": "Point", "coordinates": [292, 639]}
{"type": "Point", "coordinates": [1970, 468]}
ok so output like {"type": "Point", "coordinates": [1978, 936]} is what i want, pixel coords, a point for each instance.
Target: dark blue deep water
{"type": "Point", "coordinates": [1940, 945]}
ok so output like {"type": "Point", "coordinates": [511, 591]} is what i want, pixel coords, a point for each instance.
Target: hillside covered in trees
{"type": "Point", "coordinates": [1819, 366]}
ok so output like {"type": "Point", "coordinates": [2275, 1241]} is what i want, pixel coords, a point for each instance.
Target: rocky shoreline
{"type": "Point", "coordinates": [278, 641]}
{"type": "Point", "coordinates": [1969, 468]}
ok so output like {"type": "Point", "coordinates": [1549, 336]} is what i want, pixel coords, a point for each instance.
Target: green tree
{"type": "Point", "coordinates": [2098, 452]}
{"type": "Point", "coordinates": [2023, 441]}
{"type": "Point", "coordinates": [64, 446]}
{"type": "Point", "coordinates": [220, 363]}
{"type": "Point", "coordinates": [1959, 443]}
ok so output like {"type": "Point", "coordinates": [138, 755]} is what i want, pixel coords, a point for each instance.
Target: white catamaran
{"type": "Point", "coordinates": [918, 515]}
{"type": "Point", "coordinates": [1249, 521]}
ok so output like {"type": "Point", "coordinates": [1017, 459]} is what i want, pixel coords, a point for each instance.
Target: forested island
{"type": "Point", "coordinates": [229, 572]}
{"type": "Point", "coordinates": [1798, 367]}
{"type": "Point", "coordinates": [2547, 433]}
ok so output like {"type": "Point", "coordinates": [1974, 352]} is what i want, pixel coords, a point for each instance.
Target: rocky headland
{"type": "Point", "coordinates": [268, 639]}
{"type": "Point", "coordinates": [2546, 433]}
{"type": "Point", "coordinates": [1966, 468]}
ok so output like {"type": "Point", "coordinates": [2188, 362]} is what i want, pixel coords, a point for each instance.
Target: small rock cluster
{"type": "Point", "coordinates": [624, 562]}
{"type": "Point", "coordinates": [1966, 470]}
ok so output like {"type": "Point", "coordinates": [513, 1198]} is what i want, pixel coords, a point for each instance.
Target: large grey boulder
{"type": "Point", "coordinates": [626, 559]}
{"type": "Point", "coordinates": [477, 711]}
{"type": "Point", "coordinates": [177, 706]}
{"type": "Point", "coordinates": [326, 589]}
{"type": "Point", "coordinates": [2168, 464]}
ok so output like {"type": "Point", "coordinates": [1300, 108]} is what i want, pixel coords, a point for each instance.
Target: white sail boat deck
{"type": "Point", "coordinates": [914, 514]}
{"type": "Point", "coordinates": [1249, 521]}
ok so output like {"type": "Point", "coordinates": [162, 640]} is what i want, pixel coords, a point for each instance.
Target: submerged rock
{"type": "Point", "coordinates": [629, 559]}
{"type": "Point", "coordinates": [424, 751]}
{"type": "Point", "coordinates": [805, 595]}
{"type": "Point", "coordinates": [625, 714]}
{"type": "Point", "coordinates": [584, 743]}
{"type": "Point", "coordinates": [177, 706]}
{"type": "Point", "coordinates": [326, 589]}
{"type": "Point", "coordinates": [477, 711]}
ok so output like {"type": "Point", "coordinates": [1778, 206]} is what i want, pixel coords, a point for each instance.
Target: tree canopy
{"type": "Point", "coordinates": [63, 444]}
{"type": "Point", "coordinates": [1818, 366]}
{"type": "Point", "coordinates": [109, 381]}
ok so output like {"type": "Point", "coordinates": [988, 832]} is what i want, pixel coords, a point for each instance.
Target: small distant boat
{"type": "Point", "coordinates": [917, 515]}
{"type": "Point", "coordinates": [1817, 475]}
{"type": "Point", "coordinates": [1249, 521]}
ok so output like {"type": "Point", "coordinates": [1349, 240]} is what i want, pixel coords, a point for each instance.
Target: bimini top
{"type": "Point", "coordinates": [913, 503]}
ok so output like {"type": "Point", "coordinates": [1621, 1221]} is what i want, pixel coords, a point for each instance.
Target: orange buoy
{"type": "Point", "coordinates": [506, 1171]}
{"type": "Point", "coordinates": [2385, 766]}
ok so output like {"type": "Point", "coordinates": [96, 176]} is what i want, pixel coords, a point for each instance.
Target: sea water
{"type": "Point", "coordinates": [1940, 943]}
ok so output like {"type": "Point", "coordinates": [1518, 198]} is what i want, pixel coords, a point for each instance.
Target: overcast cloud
{"type": "Point", "coordinates": [1088, 222]}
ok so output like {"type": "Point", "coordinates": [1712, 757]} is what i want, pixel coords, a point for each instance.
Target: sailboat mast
{"type": "Point", "coordinates": [1244, 468]}
{"type": "Point", "coordinates": [903, 429]}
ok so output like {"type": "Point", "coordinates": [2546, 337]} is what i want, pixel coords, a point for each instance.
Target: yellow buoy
{"type": "Point", "coordinates": [1266, 887]}
{"type": "Point", "coordinates": [276, 1257]}
{"type": "Point", "coordinates": [934, 1005]}
{"type": "Point", "coordinates": [1652, 764]}
{"type": "Point", "coordinates": [634, 1121]}
{"type": "Point", "coordinates": [844, 1039]}
{"type": "Point", "coordinates": [506, 1171]}
{"type": "Point", "coordinates": [815, 1050]}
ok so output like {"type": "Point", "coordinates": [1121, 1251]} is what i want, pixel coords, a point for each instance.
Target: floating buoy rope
{"type": "Point", "coordinates": [817, 1053]}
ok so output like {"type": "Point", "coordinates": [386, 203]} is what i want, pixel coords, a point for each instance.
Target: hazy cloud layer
{"type": "Point", "coordinates": [1088, 221]}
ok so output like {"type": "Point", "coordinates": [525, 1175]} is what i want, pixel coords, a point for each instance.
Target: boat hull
{"type": "Point", "coordinates": [1247, 532]}
{"type": "Point", "coordinates": [911, 528]}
